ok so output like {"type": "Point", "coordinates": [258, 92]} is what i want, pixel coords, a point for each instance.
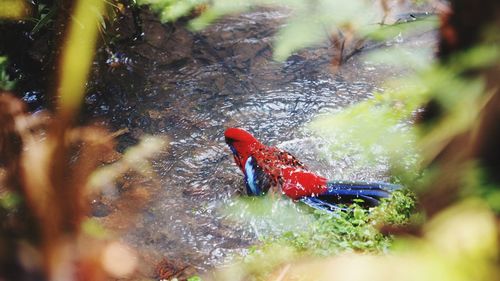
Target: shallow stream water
{"type": "Point", "coordinates": [190, 87]}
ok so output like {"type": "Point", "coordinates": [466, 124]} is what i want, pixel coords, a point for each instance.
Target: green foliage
{"type": "Point", "coordinates": [354, 230]}
{"type": "Point", "coordinates": [381, 127]}
{"type": "Point", "coordinates": [280, 221]}
{"type": "Point", "coordinates": [44, 16]}
{"type": "Point", "coordinates": [314, 22]}
{"type": "Point", "coordinates": [348, 231]}
{"type": "Point", "coordinates": [398, 210]}
{"type": "Point", "coordinates": [171, 10]}
{"type": "Point", "coordinates": [381, 122]}
{"type": "Point", "coordinates": [375, 131]}
{"type": "Point", "coordinates": [257, 264]}
{"type": "Point", "coordinates": [6, 84]}
{"type": "Point", "coordinates": [321, 234]}
{"type": "Point", "coordinates": [135, 158]}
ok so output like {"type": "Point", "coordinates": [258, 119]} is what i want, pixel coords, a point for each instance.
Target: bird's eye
{"type": "Point", "coordinates": [229, 141]}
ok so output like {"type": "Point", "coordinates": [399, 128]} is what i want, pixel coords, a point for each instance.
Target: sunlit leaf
{"type": "Point", "coordinates": [268, 214]}
{"type": "Point", "coordinates": [93, 228]}
{"type": "Point", "coordinates": [77, 55]}
{"type": "Point", "coordinates": [136, 158]}
{"type": "Point", "coordinates": [217, 9]}
{"type": "Point", "coordinates": [13, 9]}
{"type": "Point", "coordinates": [298, 34]}
{"type": "Point", "coordinates": [465, 231]}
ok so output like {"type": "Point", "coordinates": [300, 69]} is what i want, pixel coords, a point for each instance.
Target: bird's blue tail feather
{"type": "Point", "coordinates": [367, 194]}
{"type": "Point", "coordinates": [339, 184]}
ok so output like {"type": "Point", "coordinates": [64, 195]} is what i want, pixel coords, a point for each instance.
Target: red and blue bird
{"type": "Point", "coordinates": [272, 169]}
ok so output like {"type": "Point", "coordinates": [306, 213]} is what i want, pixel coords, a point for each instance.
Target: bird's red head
{"type": "Point", "coordinates": [241, 143]}
{"type": "Point", "coordinates": [239, 135]}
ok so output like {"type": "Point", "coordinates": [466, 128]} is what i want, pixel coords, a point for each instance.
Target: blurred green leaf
{"type": "Point", "coordinates": [178, 9]}
{"type": "Point", "coordinates": [13, 9]}
{"type": "Point", "coordinates": [374, 131]}
{"type": "Point", "coordinates": [94, 228]}
{"type": "Point", "coordinates": [76, 57]}
{"type": "Point", "coordinates": [298, 34]}
{"type": "Point", "coordinates": [386, 32]}
{"type": "Point", "coordinates": [136, 158]}
{"type": "Point", "coordinates": [403, 58]}
{"type": "Point", "coordinates": [9, 200]}
{"type": "Point", "coordinates": [269, 215]}
{"type": "Point", "coordinates": [172, 10]}
{"type": "Point", "coordinates": [6, 84]}
{"type": "Point", "coordinates": [217, 9]}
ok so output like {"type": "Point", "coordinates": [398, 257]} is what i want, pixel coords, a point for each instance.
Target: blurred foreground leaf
{"type": "Point", "coordinates": [374, 130]}
{"type": "Point", "coordinates": [13, 9]}
{"type": "Point", "coordinates": [383, 126]}
{"type": "Point", "coordinates": [95, 229]}
{"type": "Point", "coordinates": [9, 200]}
{"type": "Point", "coordinates": [6, 84]}
{"type": "Point", "coordinates": [77, 55]}
{"type": "Point", "coordinates": [171, 10]}
{"type": "Point", "coordinates": [135, 158]}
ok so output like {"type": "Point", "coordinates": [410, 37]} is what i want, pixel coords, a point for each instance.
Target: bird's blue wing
{"type": "Point", "coordinates": [256, 180]}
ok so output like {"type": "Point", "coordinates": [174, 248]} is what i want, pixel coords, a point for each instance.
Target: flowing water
{"type": "Point", "coordinates": [190, 87]}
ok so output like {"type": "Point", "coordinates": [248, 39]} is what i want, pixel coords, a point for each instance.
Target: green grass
{"type": "Point", "coordinates": [352, 231]}
{"type": "Point", "coordinates": [322, 234]}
